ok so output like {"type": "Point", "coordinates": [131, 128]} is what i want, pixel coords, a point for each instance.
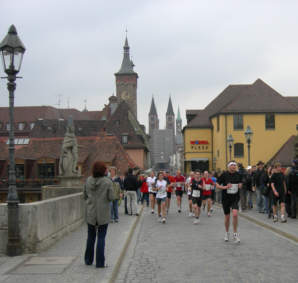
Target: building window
{"type": "Point", "coordinates": [117, 122]}
{"type": "Point", "coordinates": [7, 126]}
{"type": "Point", "coordinates": [20, 171]}
{"type": "Point", "coordinates": [238, 121]}
{"type": "Point", "coordinates": [32, 125]}
{"type": "Point", "coordinates": [21, 126]}
{"type": "Point", "coordinates": [270, 121]}
{"type": "Point", "coordinates": [1, 125]}
{"type": "Point", "coordinates": [217, 123]}
{"type": "Point", "coordinates": [124, 139]}
{"type": "Point", "coordinates": [46, 171]}
{"type": "Point", "coordinates": [218, 153]}
{"type": "Point", "coordinates": [238, 150]}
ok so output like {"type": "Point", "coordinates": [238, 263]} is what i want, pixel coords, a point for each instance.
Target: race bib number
{"type": "Point", "coordinates": [196, 193]}
{"type": "Point", "coordinates": [189, 192]}
{"type": "Point", "coordinates": [233, 189]}
{"type": "Point", "coordinates": [208, 187]}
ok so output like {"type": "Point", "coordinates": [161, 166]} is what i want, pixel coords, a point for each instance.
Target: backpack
{"type": "Point", "coordinates": [116, 189]}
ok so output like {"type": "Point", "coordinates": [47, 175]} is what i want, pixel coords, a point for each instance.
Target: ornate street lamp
{"type": "Point", "coordinates": [12, 51]}
{"type": "Point", "coordinates": [248, 134]}
{"type": "Point", "coordinates": [230, 141]}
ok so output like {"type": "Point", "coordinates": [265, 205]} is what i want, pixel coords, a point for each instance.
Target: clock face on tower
{"type": "Point", "coordinates": [125, 95]}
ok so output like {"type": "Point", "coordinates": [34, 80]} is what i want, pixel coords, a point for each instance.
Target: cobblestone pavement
{"type": "Point", "coordinates": [179, 251]}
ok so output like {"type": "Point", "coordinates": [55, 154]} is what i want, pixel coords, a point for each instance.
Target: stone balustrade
{"type": "Point", "coordinates": [44, 222]}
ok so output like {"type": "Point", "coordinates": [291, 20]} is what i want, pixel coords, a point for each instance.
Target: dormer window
{"type": "Point", "coordinates": [124, 139]}
{"type": "Point", "coordinates": [21, 126]}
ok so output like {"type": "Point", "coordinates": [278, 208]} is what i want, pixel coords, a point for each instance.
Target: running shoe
{"type": "Point", "coordinates": [190, 214]}
{"type": "Point", "coordinates": [163, 221]}
{"type": "Point", "coordinates": [236, 237]}
{"type": "Point", "coordinates": [152, 211]}
{"type": "Point", "coordinates": [275, 218]}
{"type": "Point", "coordinates": [226, 238]}
{"type": "Point", "coordinates": [283, 219]}
{"type": "Point", "coordinates": [209, 214]}
{"type": "Point", "coordinates": [211, 209]}
{"type": "Point", "coordinates": [196, 221]}
{"type": "Point", "coordinates": [179, 210]}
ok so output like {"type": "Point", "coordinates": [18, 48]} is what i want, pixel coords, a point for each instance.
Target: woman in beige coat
{"type": "Point", "coordinates": [98, 194]}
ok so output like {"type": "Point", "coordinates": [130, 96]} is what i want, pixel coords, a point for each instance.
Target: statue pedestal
{"type": "Point", "coordinates": [70, 181]}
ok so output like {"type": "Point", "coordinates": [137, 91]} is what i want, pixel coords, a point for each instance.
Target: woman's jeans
{"type": "Point", "coordinates": [100, 247]}
{"type": "Point", "coordinates": [114, 210]}
{"type": "Point", "coordinates": [145, 197]}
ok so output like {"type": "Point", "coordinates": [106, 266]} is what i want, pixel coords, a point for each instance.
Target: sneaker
{"type": "Point", "coordinates": [283, 219]}
{"type": "Point", "coordinates": [193, 215]}
{"type": "Point", "coordinates": [236, 237]}
{"type": "Point", "coordinates": [226, 238]}
{"type": "Point", "coordinates": [152, 211]}
{"type": "Point", "coordinates": [275, 218]}
{"type": "Point", "coordinates": [179, 210]}
{"type": "Point", "coordinates": [190, 214]}
{"type": "Point", "coordinates": [116, 220]}
{"type": "Point", "coordinates": [196, 221]}
{"type": "Point", "coordinates": [209, 214]}
{"type": "Point", "coordinates": [211, 209]}
{"type": "Point", "coordinates": [163, 221]}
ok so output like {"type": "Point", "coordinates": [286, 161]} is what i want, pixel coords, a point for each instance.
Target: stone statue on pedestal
{"type": "Point", "coordinates": [69, 152]}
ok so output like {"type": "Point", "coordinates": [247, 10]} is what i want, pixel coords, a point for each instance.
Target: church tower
{"type": "Point", "coordinates": [126, 81]}
{"type": "Point", "coordinates": [178, 123]}
{"type": "Point", "coordinates": [153, 118]}
{"type": "Point", "coordinates": [170, 117]}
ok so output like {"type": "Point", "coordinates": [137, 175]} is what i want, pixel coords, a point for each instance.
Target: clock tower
{"type": "Point", "coordinates": [126, 81]}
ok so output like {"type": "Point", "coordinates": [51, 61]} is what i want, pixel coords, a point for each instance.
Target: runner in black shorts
{"type": "Point", "coordinates": [279, 189]}
{"type": "Point", "coordinates": [230, 182]}
{"type": "Point", "coordinates": [196, 192]}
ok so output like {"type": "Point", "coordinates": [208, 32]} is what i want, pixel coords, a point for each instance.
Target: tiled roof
{"type": "Point", "coordinates": [57, 128]}
{"type": "Point", "coordinates": [285, 154]}
{"type": "Point", "coordinates": [30, 114]}
{"type": "Point", "coordinates": [293, 100]}
{"type": "Point", "coordinates": [255, 98]}
{"type": "Point", "coordinates": [105, 148]}
{"type": "Point", "coordinates": [201, 120]}
{"type": "Point", "coordinates": [259, 98]}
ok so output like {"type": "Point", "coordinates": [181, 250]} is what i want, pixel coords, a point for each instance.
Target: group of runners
{"type": "Point", "coordinates": [199, 188]}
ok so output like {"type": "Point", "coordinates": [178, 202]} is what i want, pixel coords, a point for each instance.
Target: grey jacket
{"type": "Point", "coordinates": [98, 193]}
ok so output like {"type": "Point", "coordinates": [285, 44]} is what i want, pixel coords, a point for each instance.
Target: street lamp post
{"type": "Point", "coordinates": [248, 134]}
{"type": "Point", "coordinates": [230, 141]}
{"type": "Point", "coordinates": [12, 51]}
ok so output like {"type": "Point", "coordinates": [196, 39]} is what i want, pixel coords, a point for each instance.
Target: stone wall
{"type": "Point", "coordinates": [49, 192]}
{"type": "Point", "coordinates": [44, 222]}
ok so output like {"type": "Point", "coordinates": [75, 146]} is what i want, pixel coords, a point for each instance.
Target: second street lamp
{"type": "Point", "coordinates": [248, 135]}
{"type": "Point", "coordinates": [12, 51]}
{"type": "Point", "coordinates": [230, 141]}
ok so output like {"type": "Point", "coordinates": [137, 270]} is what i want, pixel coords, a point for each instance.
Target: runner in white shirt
{"type": "Point", "coordinates": [161, 196]}
{"type": "Point", "coordinates": [188, 188]}
{"type": "Point", "coordinates": [150, 182]}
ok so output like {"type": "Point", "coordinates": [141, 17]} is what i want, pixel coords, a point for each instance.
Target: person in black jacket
{"type": "Point", "coordinates": [259, 181]}
{"type": "Point", "coordinates": [131, 186]}
{"type": "Point", "coordinates": [293, 187]}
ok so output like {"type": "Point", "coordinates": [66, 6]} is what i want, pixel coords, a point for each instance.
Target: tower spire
{"type": "Point", "coordinates": [178, 115]}
{"type": "Point", "coordinates": [170, 110]}
{"type": "Point", "coordinates": [127, 64]}
{"type": "Point", "coordinates": [153, 108]}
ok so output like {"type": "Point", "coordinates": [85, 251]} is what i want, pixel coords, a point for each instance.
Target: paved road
{"type": "Point", "coordinates": [182, 252]}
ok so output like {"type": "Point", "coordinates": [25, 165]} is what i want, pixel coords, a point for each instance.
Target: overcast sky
{"type": "Point", "coordinates": [189, 49]}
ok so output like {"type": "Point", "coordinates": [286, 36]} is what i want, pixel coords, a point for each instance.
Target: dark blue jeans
{"type": "Point", "coordinates": [114, 210]}
{"type": "Point", "coordinates": [100, 247]}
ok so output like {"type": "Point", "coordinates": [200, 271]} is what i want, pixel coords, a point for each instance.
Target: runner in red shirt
{"type": "Point", "coordinates": [179, 184]}
{"type": "Point", "coordinates": [189, 192]}
{"type": "Point", "coordinates": [170, 180]}
{"type": "Point", "coordinates": [207, 193]}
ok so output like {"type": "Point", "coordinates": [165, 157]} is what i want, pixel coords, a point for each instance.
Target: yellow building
{"type": "Point", "coordinates": [272, 118]}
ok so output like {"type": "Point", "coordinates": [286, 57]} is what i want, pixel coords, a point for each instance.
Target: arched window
{"type": "Point", "coordinates": [238, 150]}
